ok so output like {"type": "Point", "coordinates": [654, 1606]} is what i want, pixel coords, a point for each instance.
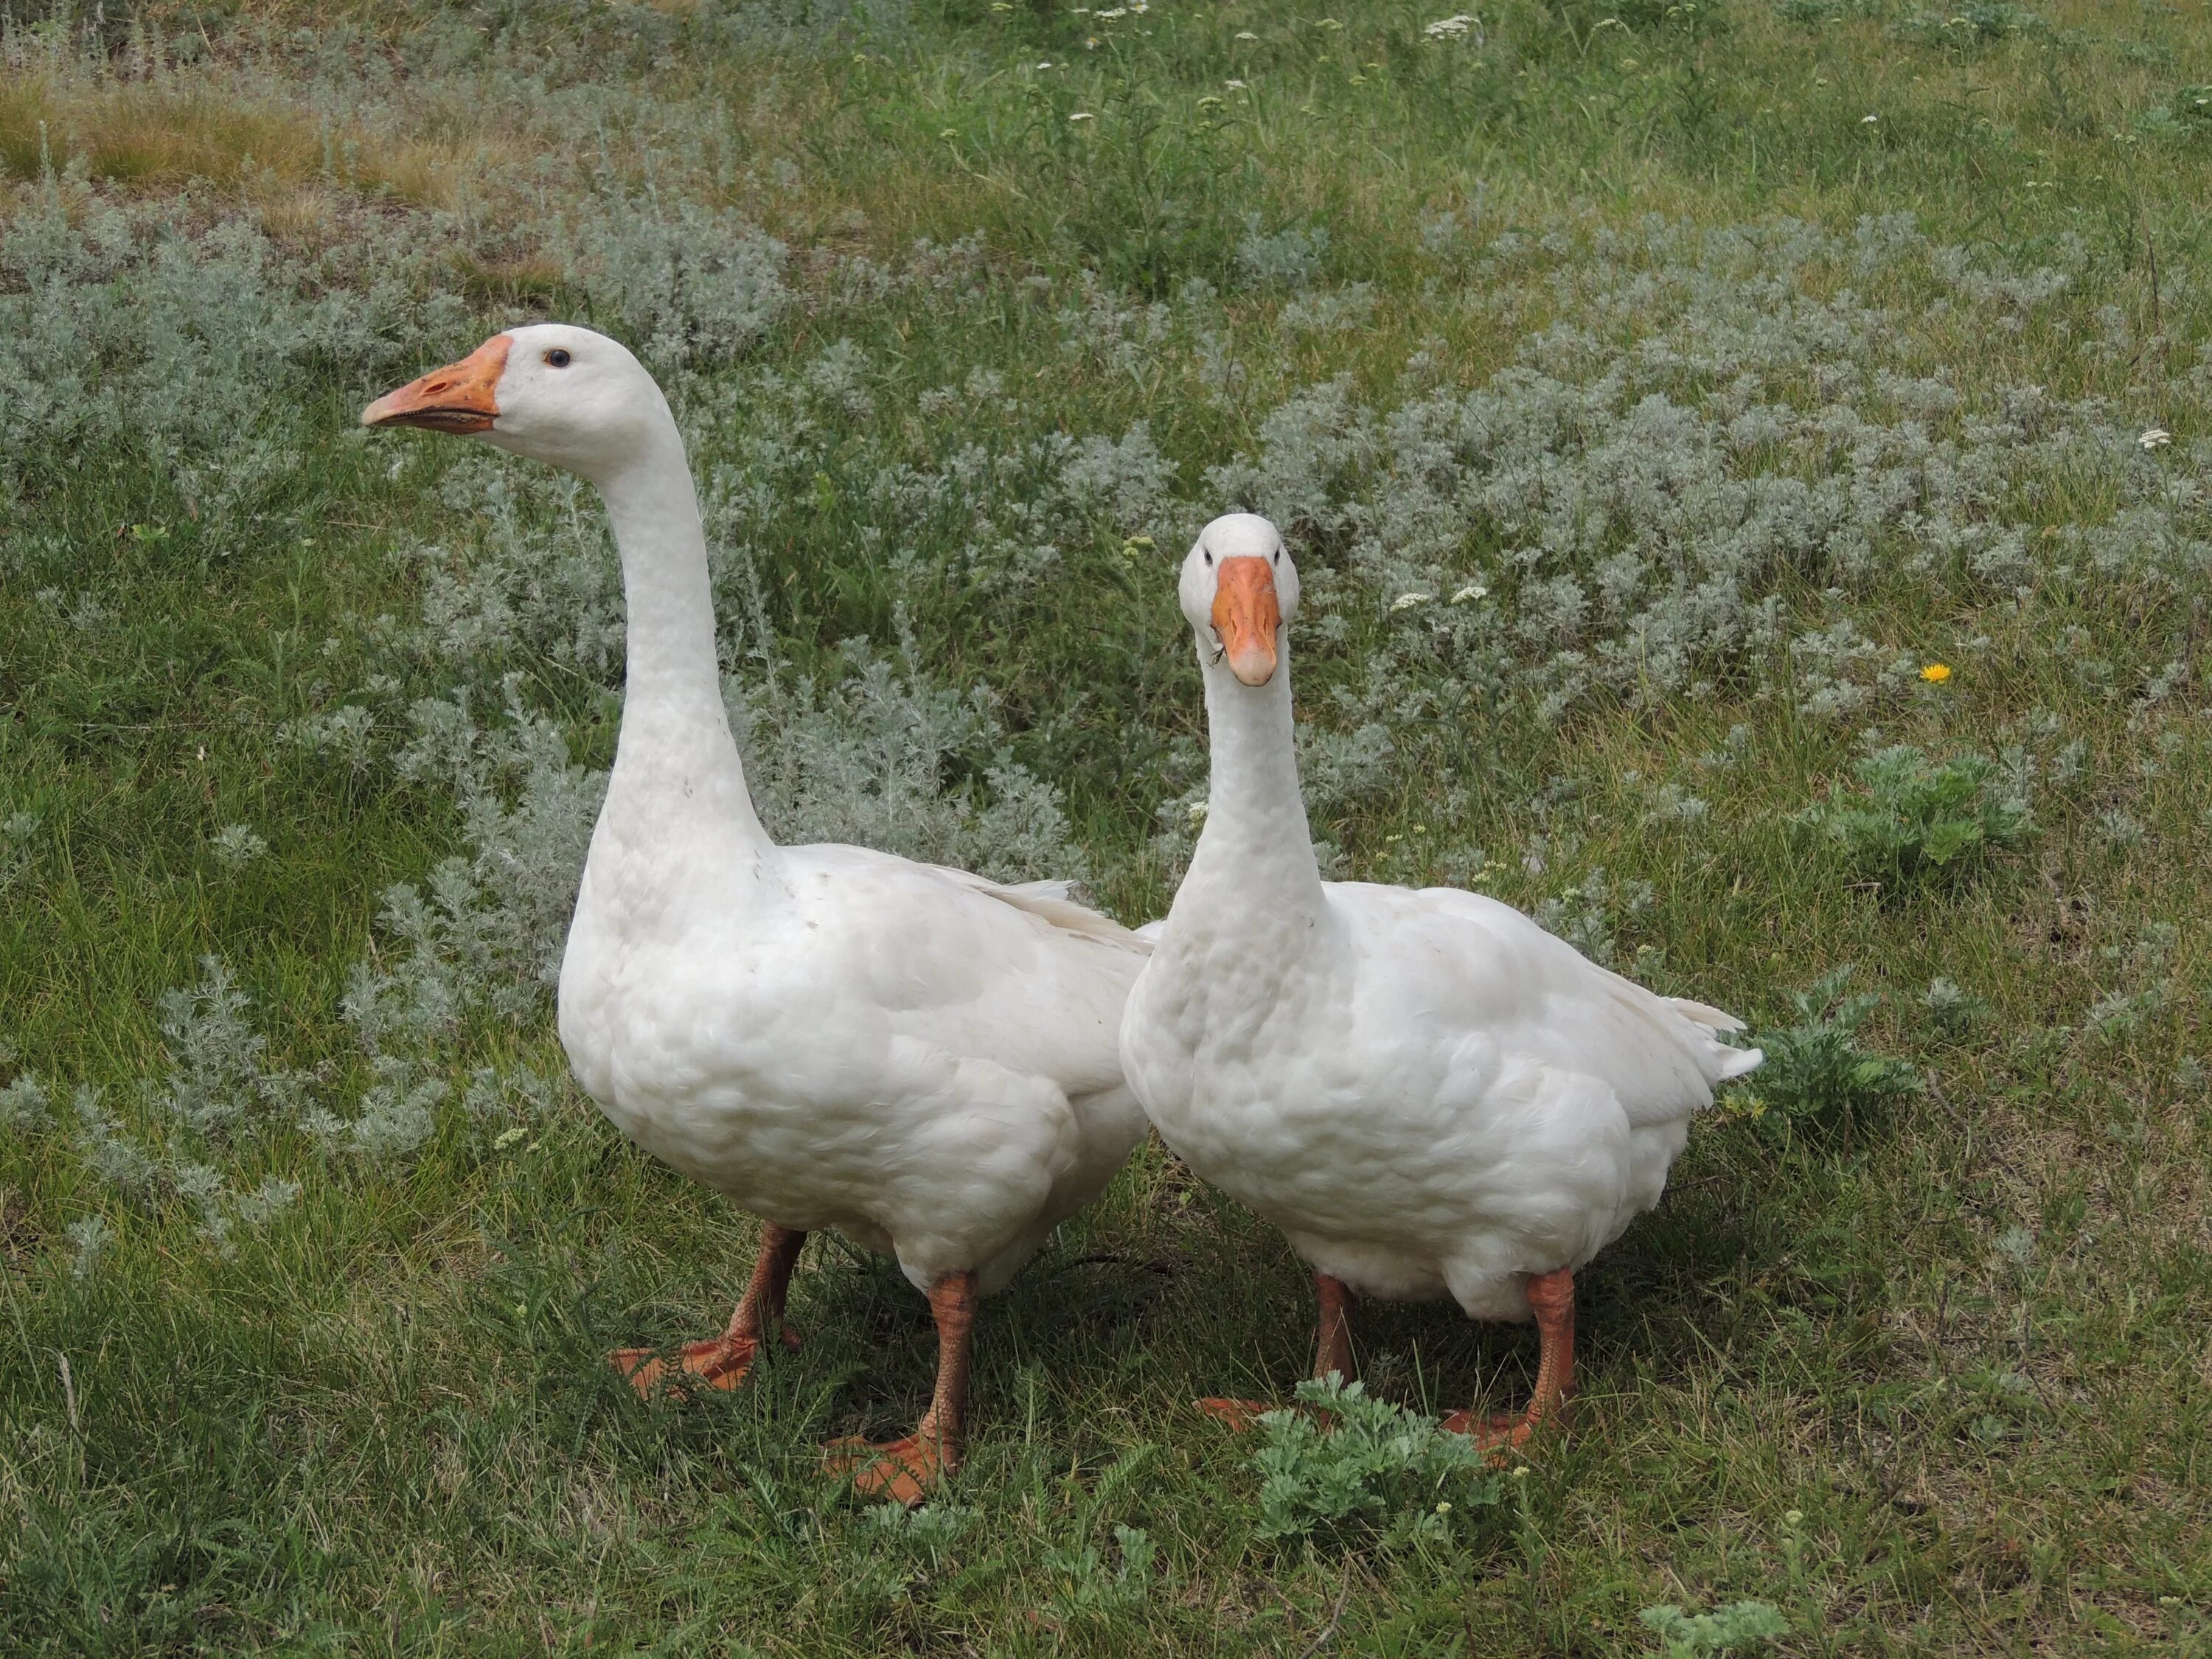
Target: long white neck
{"type": "Point", "coordinates": [676, 771]}
{"type": "Point", "coordinates": [1255, 850]}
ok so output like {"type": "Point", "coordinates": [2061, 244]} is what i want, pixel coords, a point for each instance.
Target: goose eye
{"type": "Point", "coordinates": [557, 357]}
{"type": "Point", "coordinates": [1209, 555]}
{"type": "Point", "coordinates": [1279, 555]}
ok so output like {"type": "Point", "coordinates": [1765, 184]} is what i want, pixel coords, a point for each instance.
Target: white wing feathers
{"type": "Point", "coordinates": [1662, 1034]}
{"type": "Point", "coordinates": [1662, 1056]}
{"type": "Point", "coordinates": [1049, 900]}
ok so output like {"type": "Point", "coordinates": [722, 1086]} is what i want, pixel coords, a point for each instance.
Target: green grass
{"type": "Point", "coordinates": [1925, 1369]}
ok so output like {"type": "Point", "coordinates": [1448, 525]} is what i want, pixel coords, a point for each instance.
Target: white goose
{"type": "Point", "coordinates": [833, 1037]}
{"type": "Point", "coordinates": [1428, 1093]}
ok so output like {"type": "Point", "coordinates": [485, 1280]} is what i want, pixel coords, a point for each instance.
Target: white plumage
{"type": "Point", "coordinates": [1430, 1094]}
{"type": "Point", "coordinates": [834, 1038]}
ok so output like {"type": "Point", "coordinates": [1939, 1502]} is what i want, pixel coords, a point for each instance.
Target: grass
{"type": "Point", "coordinates": [1925, 1369]}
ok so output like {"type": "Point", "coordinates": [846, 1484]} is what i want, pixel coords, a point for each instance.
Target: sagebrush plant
{"type": "Point", "coordinates": [1740, 1627]}
{"type": "Point", "coordinates": [1816, 1074]}
{"type": "Point", "coordinates": [1348, 1461]}
{"type": "Point", "coordinates": [1914, 818]}
{"type": "Point", "coordinates": [205, 1117]}
{"type": "Point", "coordinates": [1651, 409]}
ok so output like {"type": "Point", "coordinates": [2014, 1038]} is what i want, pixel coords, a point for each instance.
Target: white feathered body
{"type": "Point", "coordinates": [838, 1038]}
{"type": "Point", "coordinates": [1426, 1092]}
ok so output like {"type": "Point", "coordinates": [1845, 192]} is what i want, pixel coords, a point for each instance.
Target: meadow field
{"type": "Point", "coordinates": [1749, 463]}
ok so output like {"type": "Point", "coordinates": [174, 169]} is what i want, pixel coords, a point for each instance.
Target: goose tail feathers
{"type": "Point", "coordinates": [1734, 1062]}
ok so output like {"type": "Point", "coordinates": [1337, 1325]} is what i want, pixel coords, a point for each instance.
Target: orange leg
{"type": "Point", "coordinates": [723, 1361]}
{"type": "Point", "coordinates": [1332, 1353]}
{"type": "Point", "coordinates": [903, 1470]}
{"type": "Point", "coordinates": [1333, 1335]}
{"type": "Point", "coordinates": [1551, 1297]}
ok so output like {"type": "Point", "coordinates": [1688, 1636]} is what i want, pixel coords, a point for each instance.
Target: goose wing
{"type": "Point", "coordinates": [1021, 976]}
{"type": "Point", "coordinates": [1485, 966]}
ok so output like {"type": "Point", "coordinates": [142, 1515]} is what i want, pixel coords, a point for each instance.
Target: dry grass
{"type": "Point", "coordinates": [196, 127]}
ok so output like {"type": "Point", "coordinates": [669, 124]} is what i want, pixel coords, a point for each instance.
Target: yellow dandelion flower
{"type": "Point", "coordinates": [1936, 673]}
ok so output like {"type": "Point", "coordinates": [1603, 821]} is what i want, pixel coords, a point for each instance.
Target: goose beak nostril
{"type": "Point", "coordinates": [462, 396]}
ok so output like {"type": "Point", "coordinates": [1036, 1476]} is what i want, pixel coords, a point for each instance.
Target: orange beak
{"type": "Point", "coordinates": [1245, 617]}
{"type": "Point", "coordinates": [459, 398]}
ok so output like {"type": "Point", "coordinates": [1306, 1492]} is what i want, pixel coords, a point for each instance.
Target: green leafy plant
{"type": "Point", "coordinates": [1815, 1074]}
{"type": "Point", "coordinates": [2185, 114]}
{"type": "Point", "coordinates": [1089, 1587]}
{"type": "Point", "coordinates": [1916, 818]}
{"type": "Point", "coordinates": [1738, 1627]}
{"type": "Point", "coordinates": [1350, 1458]}
{"type": "Point", "coordinates": [1952, 1011]}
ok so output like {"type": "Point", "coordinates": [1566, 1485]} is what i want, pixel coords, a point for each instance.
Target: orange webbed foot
{"type": "Point", "coordinates": [1496, 1433]}
{"type": "Point", "coordinates": [1237, 1415]}
{"type": "Point", "coordinates": [902, 1470]}
{"type": "Point", "coordinates": [718, 1362]}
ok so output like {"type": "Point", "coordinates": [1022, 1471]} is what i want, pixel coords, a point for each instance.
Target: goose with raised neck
{"type": "Point", "coordinates": [833, 1037]}
{"type": "Point", "coordinates": [1428, 1093]}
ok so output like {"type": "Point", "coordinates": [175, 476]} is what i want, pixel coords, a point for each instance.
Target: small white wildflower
{"type": "Point", "coordinates": [1471, 593]}
{"type": "Point", "coordinates": [507, 1137]}
{"type": "Point", "coordinates": [1198, 812]}
{"type": "Point", "coordinates": [1246, 35]}
{"type": "Point", "coordinates": [1869, 120]}
{"type": "Point", "coordinates": [1407, 601]}
{"type": "Point", "coordinates": [1449, 28]}
{"type": "Point", "coordinates": [2156, 437]}
{"type": "Point", "coordinates": [1234, 86]}
{"type": "Point", "coordinates": [1118, 11]}
{"type": "Point", "coordinates": [1044, 66]}
{"type": "Point", "coordinates": [1082, 115]}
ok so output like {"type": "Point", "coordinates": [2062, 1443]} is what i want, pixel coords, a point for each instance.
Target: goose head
{"type": "Point", "coordinates": [1239, 592]}
{"type": "Point", "coordinates": [552, 392]}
